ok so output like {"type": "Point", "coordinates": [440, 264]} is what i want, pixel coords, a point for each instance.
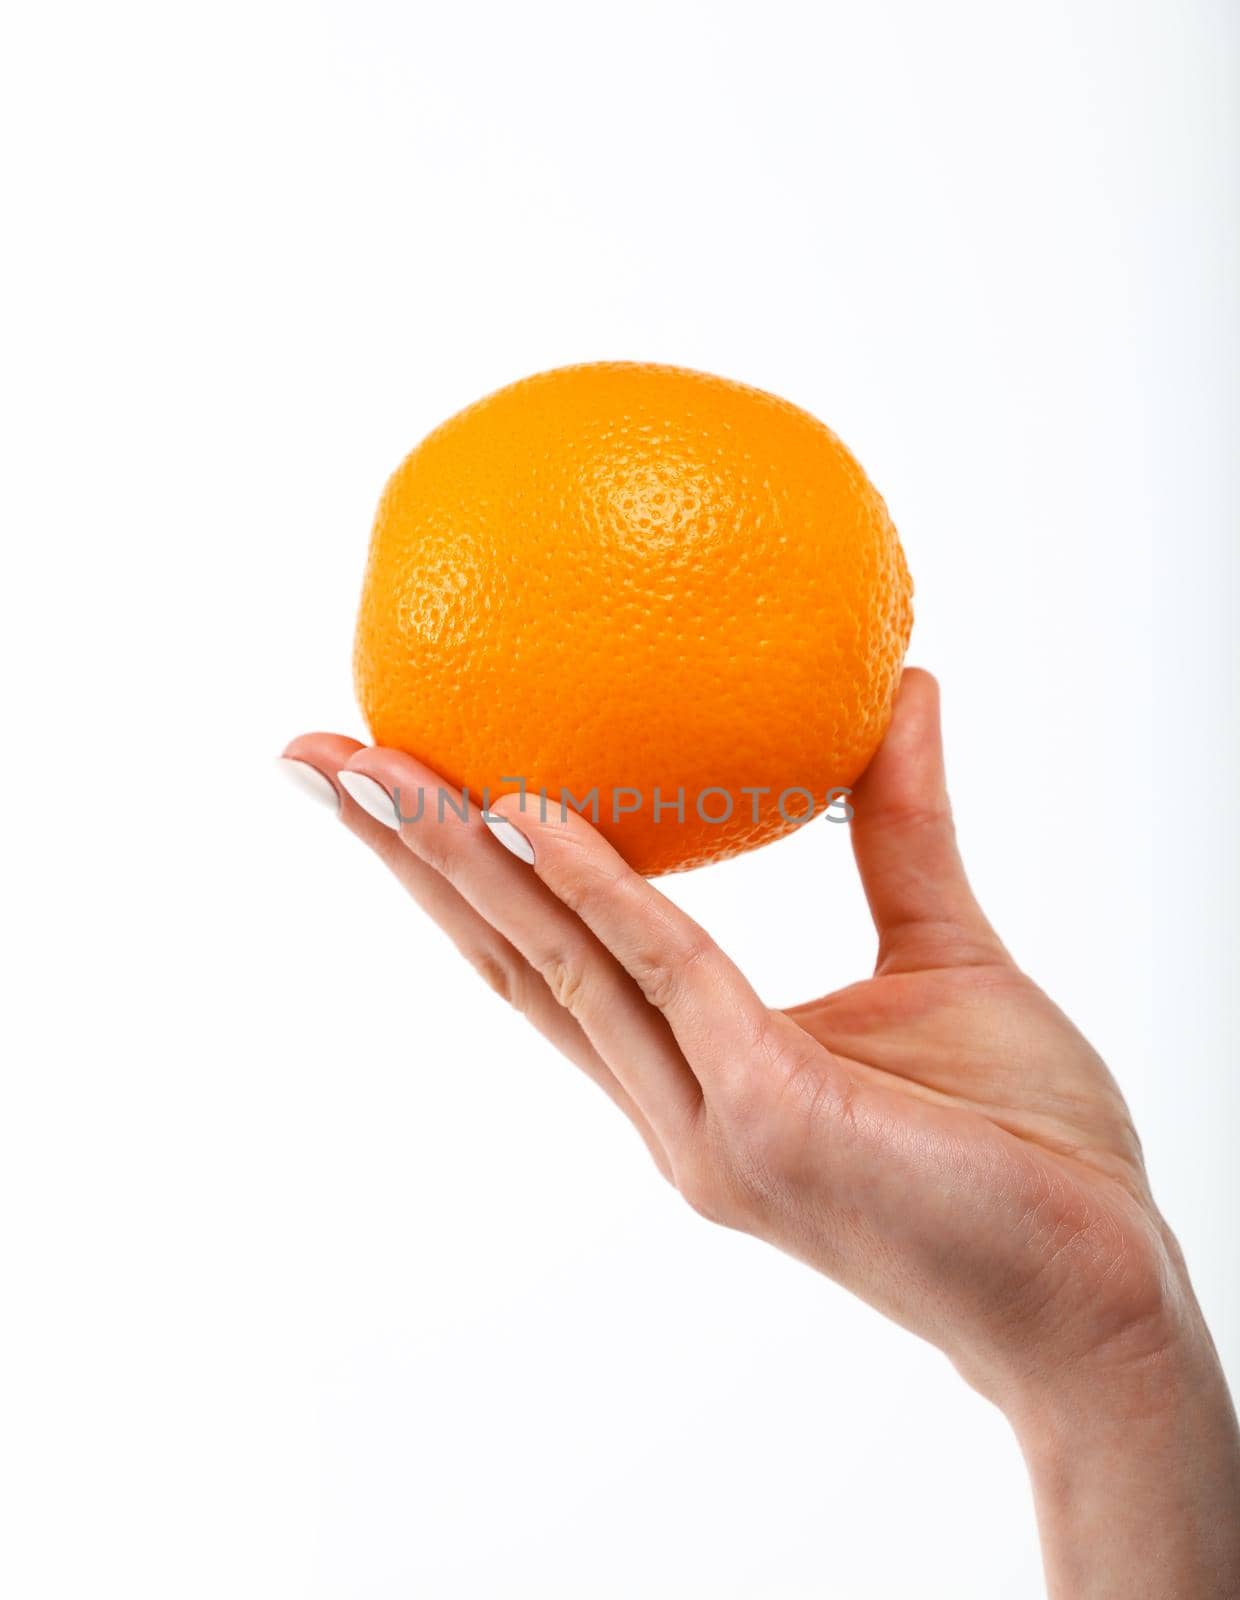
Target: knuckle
{"type": "Point", "coordinates": [566, 980]}
{"type": "Point", "coordinates": [661, 972]}
{"type": "Point", "coordinates": [580, 884]}
{"type": "Point", "coordinates": [657, 982]}
{"type": "Point", "coordinates": [500, 972]}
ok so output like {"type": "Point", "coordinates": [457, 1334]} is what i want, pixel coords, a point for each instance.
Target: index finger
{"type": "Point", "coordinates": [715, 1015]}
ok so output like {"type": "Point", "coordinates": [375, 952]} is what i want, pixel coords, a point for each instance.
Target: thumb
{"type": "Point", "coordinates": [905, 844]}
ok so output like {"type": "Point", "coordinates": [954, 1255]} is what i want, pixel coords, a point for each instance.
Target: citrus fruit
{"type": "Point", "coordinates": [671, 601]}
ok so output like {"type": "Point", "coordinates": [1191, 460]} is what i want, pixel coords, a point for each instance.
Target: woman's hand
{"type": "Point", "coordinates": [939, 1138]}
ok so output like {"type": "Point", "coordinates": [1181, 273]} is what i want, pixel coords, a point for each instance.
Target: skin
{"type": "Point", "coordinates": [939, 1138]}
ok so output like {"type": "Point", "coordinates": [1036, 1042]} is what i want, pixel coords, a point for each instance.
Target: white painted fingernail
{"type": "Point", "coordinates": [373, 798]}
{"type": "Point", "coordinates": [310, 781]}
{"type": "Point", "coordinates": [510, 836]}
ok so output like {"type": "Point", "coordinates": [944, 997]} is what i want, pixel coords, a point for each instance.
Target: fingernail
{"type": "Point", "coordinates": [373, 798]}
{"type": "Point", "coordinates": [310, 781]}
{"type": "Point", "coordinates": [510, 837]}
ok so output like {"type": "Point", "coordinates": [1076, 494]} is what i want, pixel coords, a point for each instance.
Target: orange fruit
{"type": "Point", "coordinates": [636, 580]}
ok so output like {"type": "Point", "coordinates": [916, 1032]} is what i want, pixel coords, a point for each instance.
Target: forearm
{"type": "Point", "coordinates": [1136, 1479]}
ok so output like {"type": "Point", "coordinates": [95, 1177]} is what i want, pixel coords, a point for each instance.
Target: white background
{"type": "Point", "coordinates": [322, 1277]}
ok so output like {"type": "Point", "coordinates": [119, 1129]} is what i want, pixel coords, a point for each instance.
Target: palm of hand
{"type": "Point", "coordinates": [1004, 1142]}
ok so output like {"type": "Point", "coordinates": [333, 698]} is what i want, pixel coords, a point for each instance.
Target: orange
{"type": "Point", "coordinates": [620, 580]}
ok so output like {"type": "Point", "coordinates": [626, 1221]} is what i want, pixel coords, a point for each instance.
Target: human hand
{"type": "Point", "coordinates": [939, 1137]}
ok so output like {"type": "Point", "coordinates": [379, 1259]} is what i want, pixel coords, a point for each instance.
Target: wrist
{"type": "Point", "coordinates": [1134, 1460]}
